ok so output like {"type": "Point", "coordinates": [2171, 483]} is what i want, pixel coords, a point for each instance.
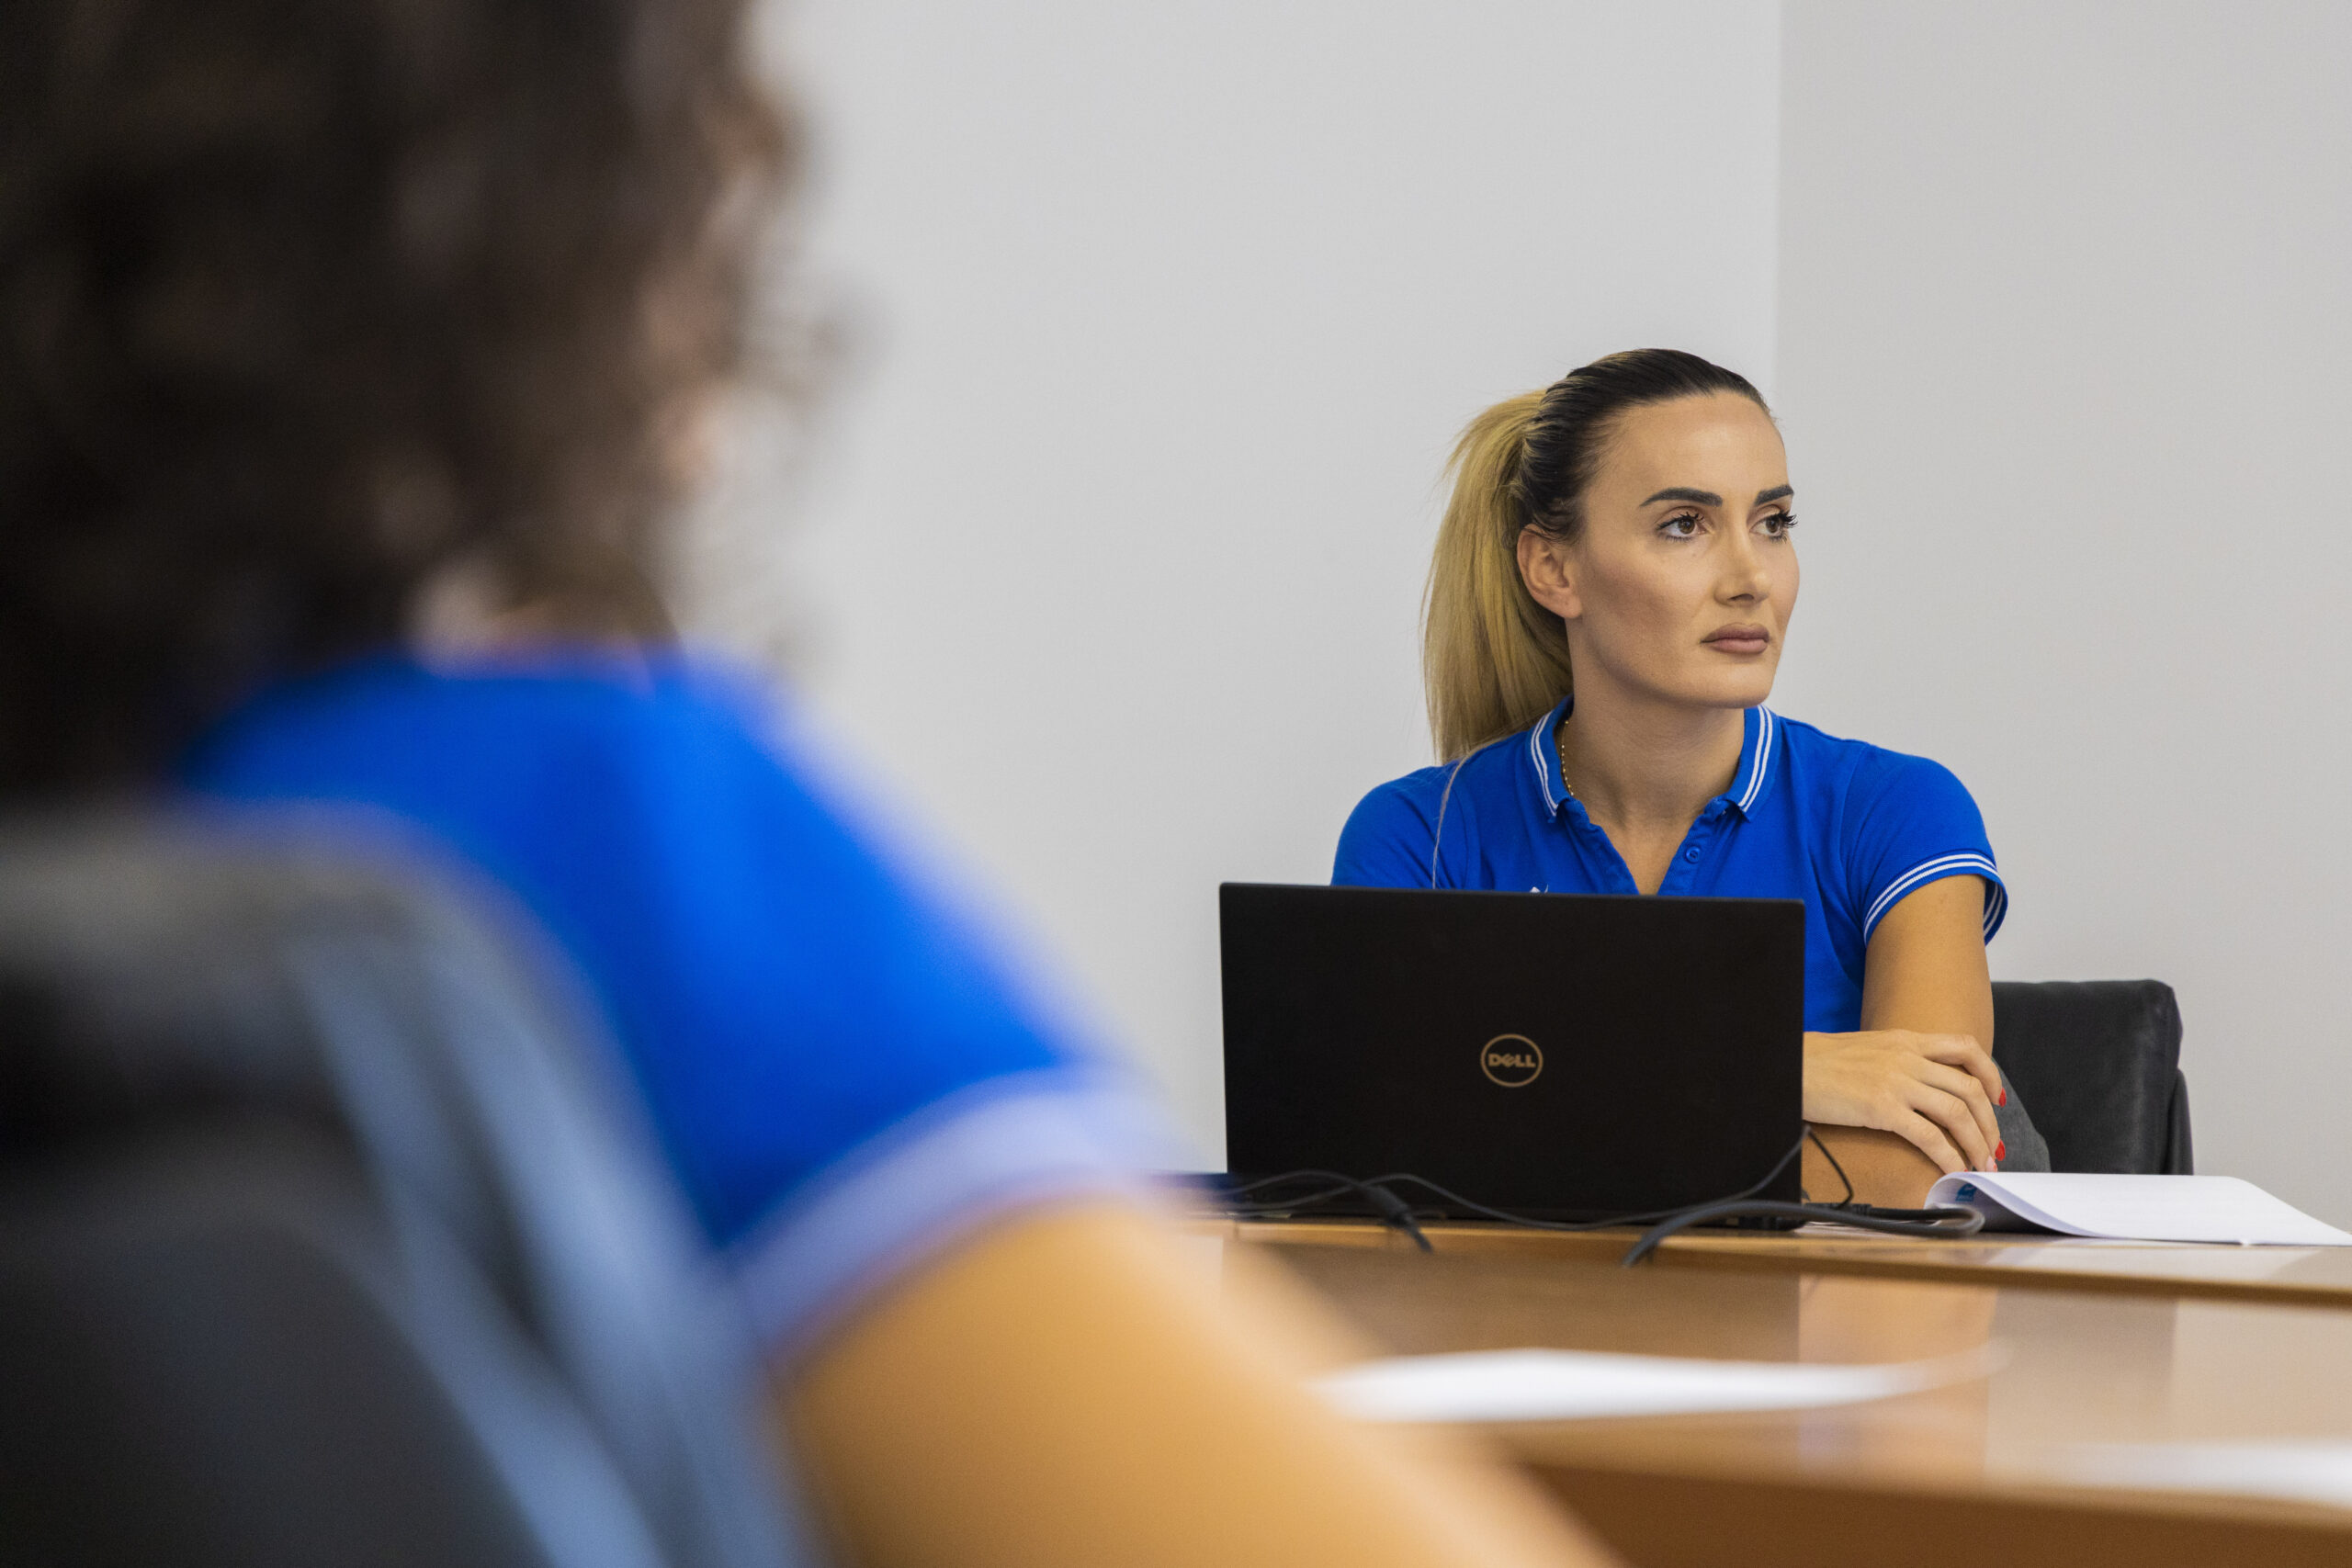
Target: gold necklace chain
{"type": "Point", "coordinates": [1560, 749]}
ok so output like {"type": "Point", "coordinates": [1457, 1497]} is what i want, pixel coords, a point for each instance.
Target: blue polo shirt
{"type": "Point", "coordinates": [1846, 827]}
{"type": "Point", "coordinates": [842, 1077]}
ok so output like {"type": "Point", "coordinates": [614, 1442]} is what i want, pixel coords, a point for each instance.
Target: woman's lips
{"type": "Point", "coordinates": [1740, 639]}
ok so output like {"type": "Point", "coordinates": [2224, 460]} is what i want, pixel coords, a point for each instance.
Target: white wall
{"type": "Point", "coordinates": [2066, 372]}
{"type": "Point", "coordinates": [1162, 318]}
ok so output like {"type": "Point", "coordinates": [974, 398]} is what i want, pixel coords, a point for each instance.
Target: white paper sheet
{"type": "Point", "coordinates": [2136, 1208]}
{"type": "Point", "coordinates": [2312, 1472]}
{"type": "Point", "coordinates": [1573, 1385]}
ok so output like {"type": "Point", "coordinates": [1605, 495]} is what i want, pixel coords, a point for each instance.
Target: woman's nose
{"type": "Point", "coordinates": [1744, 576]}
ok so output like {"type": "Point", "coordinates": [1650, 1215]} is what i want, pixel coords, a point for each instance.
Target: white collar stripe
{"type": "Point", "coordinates": [1765, 724]}
{"type": "Point", "coordinates": [1928, 871]}
{"type": "Point", "coordinates": [1553, 795]}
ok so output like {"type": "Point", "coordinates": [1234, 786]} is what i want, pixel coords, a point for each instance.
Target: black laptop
{"type": "Point", "coordinates": [1560, 1056]}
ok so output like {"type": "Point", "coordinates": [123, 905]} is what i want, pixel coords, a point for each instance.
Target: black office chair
{"type": "Point", "coordinates": [2097, 1065]}
{"type": "Point", "coordinates": [323, 1238]}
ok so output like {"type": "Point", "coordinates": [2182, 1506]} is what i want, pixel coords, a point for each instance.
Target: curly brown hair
{"type": "Point", "coordinates": [303, 300]}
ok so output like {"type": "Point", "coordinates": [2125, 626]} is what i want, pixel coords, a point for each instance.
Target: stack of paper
{"type": "Point", "coordinates": [2135, 1208]}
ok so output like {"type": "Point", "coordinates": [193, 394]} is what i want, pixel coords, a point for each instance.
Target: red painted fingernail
{"type": "Point", "coordinates": [2003, 1151]}
{"type": "Point", "coordinates": [2004, 1095]}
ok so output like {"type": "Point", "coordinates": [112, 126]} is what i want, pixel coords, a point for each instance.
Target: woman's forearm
{"type": "Point", "coordinates": [1918, 1073]}
{"type": "Point", "coordinates": [1884, 1169]}
{"type": "Point", "coordinates": [1064, 1391]}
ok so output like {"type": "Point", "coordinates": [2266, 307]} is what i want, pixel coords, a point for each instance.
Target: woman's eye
{"type": "Point", "coordinates": [1683, 525]}
{"type": "Point", "coordinates": [1778, 524]}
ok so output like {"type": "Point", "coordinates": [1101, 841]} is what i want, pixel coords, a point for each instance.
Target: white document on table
{"type": "Point", "coordinates": [1574, 1385]}
{"type": "Point", "coordinates": [2135, 1208]}
{"type": "Point", "coordinates": [2307, 1471]}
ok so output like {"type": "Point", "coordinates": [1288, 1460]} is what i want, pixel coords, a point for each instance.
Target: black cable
{"type": "Point", "coordinates": [1833, 1163]}
{"type": "Point", "coordinates": [1338, 1184]}
{"type": "Point", "coordinates": [1937, 1222]}
{"type": "Point", "coordinates": [1664, 1222]}
{"type": "Point", "coordinates": [1952, 1222]}
{"type": "Point", "coordinates": [1393, 1209]}
{"type": "Point", "coordinates": [1394, 1212]}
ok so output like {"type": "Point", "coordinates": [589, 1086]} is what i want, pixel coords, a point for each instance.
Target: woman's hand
{"type": "Point", "coordinates": [1936, 1091]}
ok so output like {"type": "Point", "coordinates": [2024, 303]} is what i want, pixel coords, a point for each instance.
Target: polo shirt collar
{"type": "Point", "coordinates": [1760, 756]}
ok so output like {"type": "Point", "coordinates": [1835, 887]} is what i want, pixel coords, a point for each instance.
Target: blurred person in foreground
{"type": "Point", "coordinates": [352, 356]}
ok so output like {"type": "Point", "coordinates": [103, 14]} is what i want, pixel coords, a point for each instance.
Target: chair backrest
{"type": "Point", "coordinates": [326, 1233]}
{"type": "Point", "coordinates": [2097, 1065]}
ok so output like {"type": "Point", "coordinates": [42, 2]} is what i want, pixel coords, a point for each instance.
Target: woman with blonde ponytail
{"type": "Point", "coordinates": [1606, 606]}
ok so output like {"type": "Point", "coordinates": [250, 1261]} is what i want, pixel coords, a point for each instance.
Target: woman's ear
{"type": "Point", "coordinates": [1549, 572]}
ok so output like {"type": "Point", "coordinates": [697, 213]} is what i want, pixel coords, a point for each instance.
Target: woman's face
{"type": "Point", "coordinates": [1679, 587]}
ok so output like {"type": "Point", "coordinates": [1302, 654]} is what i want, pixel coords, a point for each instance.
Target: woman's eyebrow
{"type": "Point", "coordinates": [1778, 492]}
{"type": "Point", "coordinates": [1684, 493]}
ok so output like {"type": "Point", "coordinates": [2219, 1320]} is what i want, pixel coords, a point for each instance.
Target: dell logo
{"type": "Point", "coordinates": [1512, 1060]}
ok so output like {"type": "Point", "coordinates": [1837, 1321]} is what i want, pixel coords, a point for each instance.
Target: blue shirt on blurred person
{"type": "Point", "coordinates": [841, 1080]}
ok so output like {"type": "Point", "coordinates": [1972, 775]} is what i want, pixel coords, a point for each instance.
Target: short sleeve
{"type": "Point", "coordinates": [840, 1074]}
{"type": "Point", "coordinates": [1907, 822]}
{"type": "Point", "coordinates": [1390, 837]}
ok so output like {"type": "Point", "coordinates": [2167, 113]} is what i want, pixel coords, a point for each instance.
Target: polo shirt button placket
{"type": "Point", "coordinates": [1692, 855]}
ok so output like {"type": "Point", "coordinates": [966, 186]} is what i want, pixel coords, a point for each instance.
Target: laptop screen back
{"type": "Point", "coordinates": [1563, 1057]}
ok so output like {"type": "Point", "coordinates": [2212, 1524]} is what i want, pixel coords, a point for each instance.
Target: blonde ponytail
{"type": "Point", "coordinates": [1493, 660]}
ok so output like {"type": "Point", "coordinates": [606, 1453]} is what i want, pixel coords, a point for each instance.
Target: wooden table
{"type": "Point", "coordinates": [2045, 1461]}
{"type": "Point", "coordinates": [2313, 1276]}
